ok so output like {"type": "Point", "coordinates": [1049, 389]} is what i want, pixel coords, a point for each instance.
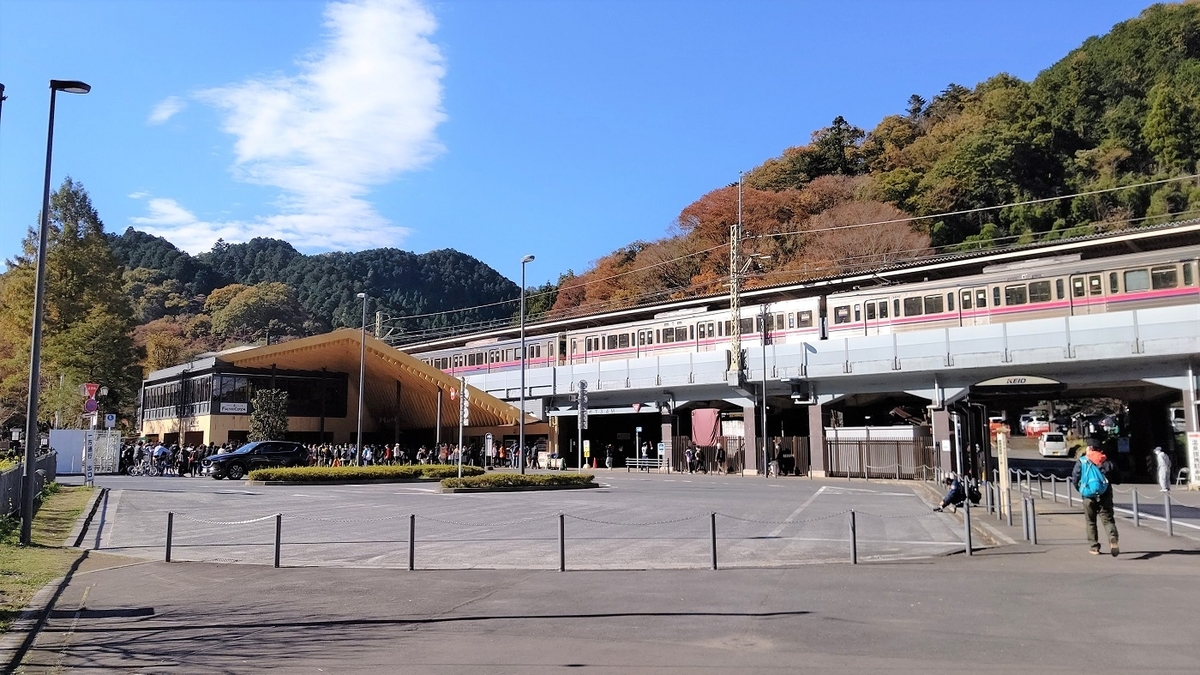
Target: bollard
{"type": "Point", "coordinates": [562, 543]}
{"type": "Point", "coordinates": [1032, 521]}
{"type": "Point", "coordinates": [1041, 491]}
{"type": "Point", "coordinates": [1070, 495]}
{"type": "Point", "coordinates": [712, 528]}
{"type": "Point", "coordinates": [1008, 506]}
{"type": "Point", "coordinates": [1167, 513]}
{"type": "Point", "coordinates": [898, 471]}
{"type": "Point", "coordinates": [278, 536]}
{"type": "Point", "coordinates": [1137, 517]}
{"type": "Point", "coordinates": [853, 540]}
{"type": "Point", "coordinates": [987, 497]}
{"type": "Point", "coordinates": [1025, 517]}
{"type": "Point", "coordinates": [1054, 487]}
{"type": "Point", "coordinates": [170, 529]}
{"type": "Point", "coordinates": [967, 527]}
{"type": "Point", "coordinates": [412, 541]}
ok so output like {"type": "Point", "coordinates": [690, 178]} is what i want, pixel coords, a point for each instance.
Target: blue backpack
{"type": "Point", "coordinates": [1092, 482]}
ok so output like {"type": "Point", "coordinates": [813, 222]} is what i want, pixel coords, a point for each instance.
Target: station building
{"type": "Point", "coordinates": [209, 399]}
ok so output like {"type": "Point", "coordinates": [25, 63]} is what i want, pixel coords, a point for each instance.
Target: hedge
{"type": "Point", "coordinates": [510, 480]}
{"type": "Point", "coordinates": [320, 474]}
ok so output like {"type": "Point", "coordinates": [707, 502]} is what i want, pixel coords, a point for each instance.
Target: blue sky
{"type": "Point", "coordinates": [563, 129]}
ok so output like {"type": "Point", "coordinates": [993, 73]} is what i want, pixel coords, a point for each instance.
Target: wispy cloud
{"type": "Point", "coordinates": [166, 109]}
{"type": "Point", "coordinates": [363, 108]}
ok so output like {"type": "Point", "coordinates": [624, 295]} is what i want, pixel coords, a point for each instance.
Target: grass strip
{"type": "Point", "coordinates": [320, 474]}
{"type": "Point", "coordinates": [25, 569]}
{"type": "Point", "coordinates": [512, 480]}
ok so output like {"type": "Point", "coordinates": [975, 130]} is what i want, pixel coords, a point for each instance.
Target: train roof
{"type": "Point", "coordinates": [931, 268]}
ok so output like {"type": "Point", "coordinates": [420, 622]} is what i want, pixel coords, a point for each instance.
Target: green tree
{"type": "Point", "coordinates": [269, 420]}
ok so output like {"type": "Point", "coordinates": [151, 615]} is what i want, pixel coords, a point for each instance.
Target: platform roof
{"type": "Point", "coordinates": [386, 366]}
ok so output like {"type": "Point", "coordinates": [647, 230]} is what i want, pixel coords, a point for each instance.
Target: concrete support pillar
{"type": "Point", "coordinates": [753, 453]}
{"type": "Point", "coordinates": [668, 436]}
{"type": "Point", "coordinates": [943, 438]}
{"type": "Point", "coordinates": [816, 440]}
{"type": "Point", "coordinates": [1191, 416]}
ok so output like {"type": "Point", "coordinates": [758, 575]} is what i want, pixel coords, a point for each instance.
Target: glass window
{"type": "Point", "coordinates": [1016, 295]}
{"type": "Point", "coordinates": [710, 329]}
{"type": "Point", "coordinates": [1113, 287]}
{"type": "Point", "coordinates": [778, 322]}
{"type": "Point", "coordinates": [950, 301]}
{"type": "Point", "coordinates": [668, 335]}
{"type": "Point", "coordinates": [857, 313]}
{"type": "Point", "coordinates": [623, 341]}
{"type": "Point", "coordinates": [1163, 277]}
{"type": "Point", "coordinates": [612, 342]}
{"type": "Point", "coordinates": [681, 334]}
{"type": "Point", "coordinates": [933, 304]}
{"type": "Point", "coordinates": [1094, 287]}
{"type": "Point", "coordinates": [1188, 279]}
{"type": "Point", "coordinates": [870, 311]}
{"type": "Point", "coordinates": [912, 307]}
{"type": "Point", "coordinates": [841, 314]}
{"type": "Point", "coordinates": [791, 320]}
{"type": "Point", "coordinates": [896, 307]}
{"type": "Point", "coordinates": [691, 331]}
{"type": "Point", "coordinates": [883, 310]}
{"type": "Point", "coordinates": [649, 337]}
{"type": "Point", "coordinates": [1137, 280]}
{"type": "Point", "coordinates": [747, 326]}
{"type": "Point", "coordinates": [1077, 287]}
{"type": "Point", "coordinates": [995, 296]}
{"type": "Point", "coordinates": [1058, 288]}
{"type": "Point", "coordinates": [980, 298]}
{"type": "Point", "coordinates": [966, 299]}
{"type": "Point", "coordinates": [1039, 291]}
{"type": "Point", "coordinates": [805, 319]}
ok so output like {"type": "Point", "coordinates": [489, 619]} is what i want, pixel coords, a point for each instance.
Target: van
{"type": "Point", "coordinates": [1052, 444]}
{"type": "Point", "coordinates": [1178, 422]}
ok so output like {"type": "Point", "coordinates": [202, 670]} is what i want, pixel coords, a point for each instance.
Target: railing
{"type": "Point", "coordinates": [899, 460]}
{"type": "Point", "coordinates": [12, 482]}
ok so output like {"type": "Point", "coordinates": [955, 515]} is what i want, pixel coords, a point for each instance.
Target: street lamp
{"type": "Point", "coordinates": [521, 434]}
{"type": "Point", "coordinates": [39, 298]}
{"type": "Point", "coordinates": [362, 376]}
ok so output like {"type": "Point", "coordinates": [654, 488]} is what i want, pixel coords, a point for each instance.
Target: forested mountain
{"type": "Point", "coordinates": [1121, 111]}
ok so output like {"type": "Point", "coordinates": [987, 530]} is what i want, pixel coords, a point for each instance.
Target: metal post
{"type": "Point", "coordinates": [362, 374]}
{"type": "Point", "coordinates": [898, 470]}
{"type": "Point", "coordinates": [987, 495]}
{"type": "Point", "coordinates": [1032, 521]}
{"type": "Point", "coordinates": [1167, 513]}
{"type": "Point", "coordinates": [562, 543]}
{"type": "Point", "coordinates": [1054, 487]}
{"type": "Point", "coordinates": [967, 524]}
{"type": "Point", "coordinates": [278, 536]}
{"type": "Point", "coordinates": [1008, 506]}
{"type": "Point", "coordinates": [170, 531]}
{"type": "Point", "coordinates": [462, 412]}
{"type": "Point", "coordinates": [1025, 516]}
{"type": "Point", "coordinates": [766, 331]}
{"type": "Point", "coordinates": [712, 528]}
{"type": "Point", "coordinates": [853, 540]}
{"type": "Point", "coordinates": [524, 354]}
{"type": "Point", "coordinates": [412, 541]}
{"type": "Point", "coordinates": [1137, 517]}
{"type": "Point", "coordinates": [1041, 492]}
{"type": "Point", "coordinates": [1070, 495]}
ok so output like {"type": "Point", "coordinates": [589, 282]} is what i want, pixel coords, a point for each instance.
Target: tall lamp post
{"type": "Point", "coordinates": [521, 434]}
{"type": "Point", "coordinates": [32, 441]}
{"type": "Point", "coordinates": [362, 376]}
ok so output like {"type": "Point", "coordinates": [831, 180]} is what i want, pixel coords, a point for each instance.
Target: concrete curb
{"type": "Point", "coordinates": [75, 538]}
{"type": "Point", "coordinates": [521, 488]}
{"type": "Point", "coordinates": [20, 636]}
{"type": "Point", "coordinates": [375, 481]}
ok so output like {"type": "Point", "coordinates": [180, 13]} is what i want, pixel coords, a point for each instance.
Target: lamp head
{"type": "Point", "coordinates": [70, 86]}
{"type": "Point", "coordinates": [526, 259]}
{"type": "Point", "coordinates": [362, 296]}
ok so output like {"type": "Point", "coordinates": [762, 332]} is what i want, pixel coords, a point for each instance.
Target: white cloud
{"type": "Point", "coordinates": [363, 108]}
{"type": "Point", "coordinates": [166, 109]}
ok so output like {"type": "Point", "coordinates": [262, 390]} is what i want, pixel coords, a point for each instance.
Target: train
{"type": "Point", "coordinates": [1035, 288]}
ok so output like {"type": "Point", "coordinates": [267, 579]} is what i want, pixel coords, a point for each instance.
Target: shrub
{"type": "Point", "coordinates": [506, 480]}
{"type": "Point", "coordinates": [320, 474]}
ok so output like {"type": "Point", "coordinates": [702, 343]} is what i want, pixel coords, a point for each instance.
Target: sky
{"type": "Point", "coordinates": [562, 129]}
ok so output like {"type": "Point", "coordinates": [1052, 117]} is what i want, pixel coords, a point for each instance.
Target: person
{"type": "Point", "coordinates": [1164, 469]}
{"type": "Point", "coordinates": [955, 496]}
{"type": "Point", "coordinates": [690, 457]}
{"type": "Point", "coordinates": [1098, 506]}
{"type": "Point", "coordinates": [608, 456]}
{"type": "Point", "coordinates": [700, 465]}
{"type": "Point", "coordinates": [720, 459]}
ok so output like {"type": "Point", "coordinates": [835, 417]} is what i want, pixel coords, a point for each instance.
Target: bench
{"type": "Point", "coordinates": [641, 463]}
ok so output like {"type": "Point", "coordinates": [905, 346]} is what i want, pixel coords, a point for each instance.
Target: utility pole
{"type": "Point", "coordinates": [735, 299]}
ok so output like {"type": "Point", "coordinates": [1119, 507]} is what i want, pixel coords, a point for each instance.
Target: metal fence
{"type": "Point", "coordinates": [12, 482]}
{"type": "Point", "coordinates": [793, 455]}
{"type": "Point", "coordinates": [913, 460]}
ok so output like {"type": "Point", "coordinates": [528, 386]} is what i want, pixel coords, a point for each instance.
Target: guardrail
{"type": "Point", "coordinates": [12, 482]}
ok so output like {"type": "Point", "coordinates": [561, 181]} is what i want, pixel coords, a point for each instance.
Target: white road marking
{"type": "Point", "coordinates": [795, 513]}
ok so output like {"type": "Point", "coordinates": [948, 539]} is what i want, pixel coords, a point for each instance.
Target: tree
{"type": "Point", "coordinates": [269, 420]}
{"type": "Point", "coordinates": [255, 310]}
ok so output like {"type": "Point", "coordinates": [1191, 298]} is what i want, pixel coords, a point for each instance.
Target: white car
{"type": "Point", "coordinates": [1053, 444]}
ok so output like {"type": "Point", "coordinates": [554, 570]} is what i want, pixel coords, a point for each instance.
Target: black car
{"type": "Point", "coordinates": [256, 455]}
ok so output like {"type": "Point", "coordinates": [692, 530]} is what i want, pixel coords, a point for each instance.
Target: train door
{"type": "Point", "coordinates": [973, 306]}
{"type": "Point", "coordinates": [1087, 294]}
{"type": "Point", "coordinates": [876, 319]}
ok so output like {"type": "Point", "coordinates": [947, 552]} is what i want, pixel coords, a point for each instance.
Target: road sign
{"type": "Point", "coordinates": [90, 390]}
{"type": "Point", "coordinates": [110, 421]}
{"type": "Point", "coordinates": [90, 405]}
{"type": "Point", "coordinates": [89, 466]}
{"type": "Point", "coordinates": [583, 404]}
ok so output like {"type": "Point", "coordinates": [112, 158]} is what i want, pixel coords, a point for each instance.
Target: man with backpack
{"type": "Point", "coordinates": [1093, 476]}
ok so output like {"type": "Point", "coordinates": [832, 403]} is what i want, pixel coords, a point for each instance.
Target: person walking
{"type": "Point", "coordinates": [1093, 477]}
{"type": "Point", "coordinates": [719, 457]}
{"type": "Point", "coordinates": [1164, 469]}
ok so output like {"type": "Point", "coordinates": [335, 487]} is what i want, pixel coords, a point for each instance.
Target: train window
{"type": "Point", "coordinates": [1077, 289]}
{"type": "Point", "coordinates": [912, 307]}
{"type": "Point", "coordinates": [805, 319]}
{"type": "Point", "coordinates": [857, 313]}
{"type": "Point", "coordinates": [729, 327]}
{"type": "Point", "coordinates": [574, 346]}
{"type": "Point", "coordinates": [668, 335]}
{"type": "Point", "coordinates": [995, 296]}
{"type": "Point", "coordinates": [778, 322]}
{"type": "Point", "coordinates": [658, 336]}
{"type": "Point", "coordinates": [791, 320]}
{"type": "Point", "coordinates": [1016, 295]}
{"type": "Point", "coordinates": [458, 360]}
{"type": "Point", "coordinates": [758, 324]}
{"type": "Point", "coordinates": [623, 341]}
{"type": "Point", "coordinates": [710, 329]}
{"type": "Point", "coordinates": [496, 354]}
{"type": "Point", "coordinates": [1164, 277]}
{"type": "Point", "coordinates": [980, 298]}
{"type": "Point", "coordinates": [1113, 287]}
{"type": "Point", "coordinates": [841, 314]}
{"type": "Point", "coordinates": [896, 307]}
{"type": "Point", "coordinates": [612, 342]}
{"type": "Point", "coordinates": [535, 351]}
{"type": "Point", "coordinates": [747, 326]}
{"type": "Point", "coordinates": [883, 313]}
{"type": "Point", "coordinates": [1039, 291]}
{"type": "Point", "coordinates": [870, 311]}
{"type": "Point", "coordinates": [933, 304]}
{"type": "Point", "coordinates": [691, 332]}
{"type": "Point", "coordinates": [966, 299]}
{"type": "Point", "coordinates": [1058, 288]}
{"type": "Point", "coordinates": [1188, 279]}
{"type": "Point", "coordinates": [700, 331]}
{"type": "Point", "coordinates": [1094, 287]}
{"type": "Point", "coordinates": [681, 334]}
{"type": "Point", "coordinates": [950, 301]}
{"type": "Point", "coordinates": [1137, 280]}
{"type": "Point", "coordinates": [470, 359]}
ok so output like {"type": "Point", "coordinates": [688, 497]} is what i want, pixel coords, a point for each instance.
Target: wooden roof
{"type": "Point", "coordinates": [385, 366]}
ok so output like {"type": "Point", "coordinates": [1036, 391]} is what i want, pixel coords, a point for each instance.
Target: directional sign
{"type": "Point", "coordinates": [110, 421]}
{"type": "Point", "coordinates": [583, 401]}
